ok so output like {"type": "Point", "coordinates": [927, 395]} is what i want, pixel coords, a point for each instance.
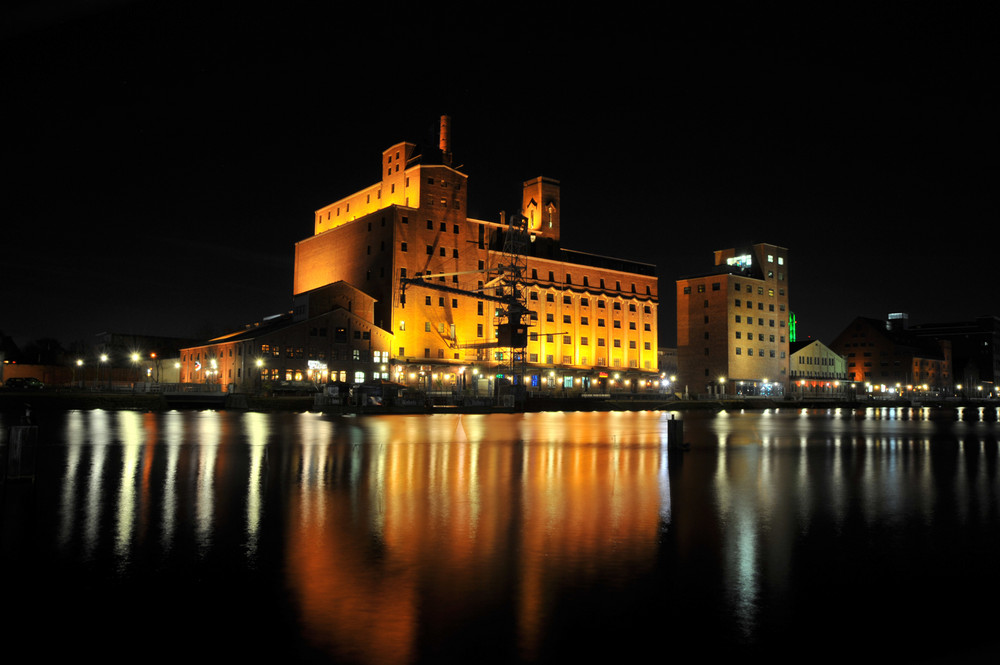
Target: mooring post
{"type": "Point", "coordinates": [21, 453]}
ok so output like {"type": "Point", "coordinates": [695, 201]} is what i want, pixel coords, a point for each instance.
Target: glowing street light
{"type": "Point", "coordinates": [135, 367]}
{"type": "Point", "coordinates": [103, 359]}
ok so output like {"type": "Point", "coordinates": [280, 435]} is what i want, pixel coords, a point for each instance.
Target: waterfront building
{"type": "Point", "coordinates": [733, 324]}
{"type": "Point", "coordinates": [328, 336]}
{"type": "Point", "coordinates": [886, 357]}
{"type": "Point", "coordinates": [592, 319]}
{"type": "Point", "coordinates": [975, 351]}
{"type": "Point", "coordinates": [816, 370]}
{"type": "Point", "coordinates": [431, 275]}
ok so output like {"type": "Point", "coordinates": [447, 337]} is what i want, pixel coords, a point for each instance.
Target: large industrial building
{"type": "Point", "coordinates": [733, 324]}
{"type": "Point", "coordinates": [886, 357]}
{"type": "Point", "coordinates": [443, 287]}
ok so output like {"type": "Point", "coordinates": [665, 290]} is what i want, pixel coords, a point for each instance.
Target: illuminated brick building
{"type": "Point", "coordinates": [593, 317]}
{"type": "Point", "coordinates": [732, 324]}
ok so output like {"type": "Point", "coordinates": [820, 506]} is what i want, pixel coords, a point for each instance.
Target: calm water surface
{"type": "Point", "coordinates": [542, 537]}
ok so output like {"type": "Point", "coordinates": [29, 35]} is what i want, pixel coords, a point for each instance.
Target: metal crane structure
{"type": "Point", "coordinates": [511, 314]}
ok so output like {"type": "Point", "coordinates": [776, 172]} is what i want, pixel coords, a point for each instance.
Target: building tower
{"type": "Point", "coordinates": [540, 204]}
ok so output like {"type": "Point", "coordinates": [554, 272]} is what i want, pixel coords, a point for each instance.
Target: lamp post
{"type": "Point", "coordinates": [104, 359]}
{"type": "Point", "coordinates": [135, 370]}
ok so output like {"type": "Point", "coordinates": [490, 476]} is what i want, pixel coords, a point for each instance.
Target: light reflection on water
{"type": "Point", "coordinates": [418, 538]}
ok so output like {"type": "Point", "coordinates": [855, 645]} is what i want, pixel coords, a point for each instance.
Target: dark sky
{"type": "Point", "coordinates": [162, 159]}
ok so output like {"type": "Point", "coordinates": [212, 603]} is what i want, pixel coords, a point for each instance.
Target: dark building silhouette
{"type": "Point", "coordinates": [975, 350]}
{"type": "Point", "coordinates": [891, 357]}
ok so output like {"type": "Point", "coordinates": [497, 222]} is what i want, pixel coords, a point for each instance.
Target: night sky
{"type": "Point", "coordinates": [162, 159]}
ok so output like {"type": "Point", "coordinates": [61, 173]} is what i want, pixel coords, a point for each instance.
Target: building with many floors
{"type": "Point", "coordinates": [432, 274]}
{"type": "Point", "coordinates": [733, 324]}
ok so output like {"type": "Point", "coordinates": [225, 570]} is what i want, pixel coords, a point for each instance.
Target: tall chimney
{"type": "Point", "coordinates": [445, 143]}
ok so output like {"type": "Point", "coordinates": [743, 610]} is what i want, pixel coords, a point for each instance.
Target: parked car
{"type": "Point", "coordinates": [23, 383]}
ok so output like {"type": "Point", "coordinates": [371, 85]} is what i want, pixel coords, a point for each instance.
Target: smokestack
{"type": "Point", "coordinates": [445, 143]}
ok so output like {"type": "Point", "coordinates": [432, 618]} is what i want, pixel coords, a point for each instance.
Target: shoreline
{"type": "Point", "coordinates": [72, 400]}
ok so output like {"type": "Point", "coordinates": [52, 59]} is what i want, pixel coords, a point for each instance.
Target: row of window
{"type": "Point", "coordinates": [549, 359]}
{"type": "Point", "coordinates": [760, 337]}
{"type": "Point", "coordinates": [586, 281]}
{"type": "Point", "coordinates": [585, 341]}
{"type": "Point", "coordinates": [443, 226]}
{"type": "Point", "coordinates": [749, 289]}
{"type": "Point", "coordinates": [585, 302]}
{"type": "Point", "coordinates": [760, 305]}
{"type": "Point", "coordinates": [749, 321]}
{"type": "Point", "coordinates": [760, 352]}
{"type": "Point", "coordinates": [444, 201]}
{"type": "Point", "coordinates": [717, 286]}
{"type": "Point", "coordinates": [812, 360]}
{"type": "Point", "coordinates": [601, 362]}
{"type": "Point", "coordinates": [404, 247]}
{"type": "Point", "coordinates": [427, 353]}
{"type": "Point", "coordinates": [378, 196]}
{"type": "Point", "coordinates": [585, 321]}
{"type": "Point", "coordinates": [295, 352]}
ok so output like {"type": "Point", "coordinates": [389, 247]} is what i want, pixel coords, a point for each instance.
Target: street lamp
{"type": "Point", "coordinates": [104, 359]}
{"type": "Point", "coordinates": [135, 369]}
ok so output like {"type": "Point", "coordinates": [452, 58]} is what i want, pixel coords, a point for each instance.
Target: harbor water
{"type": "Point", "coordinates": [553, 537]}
